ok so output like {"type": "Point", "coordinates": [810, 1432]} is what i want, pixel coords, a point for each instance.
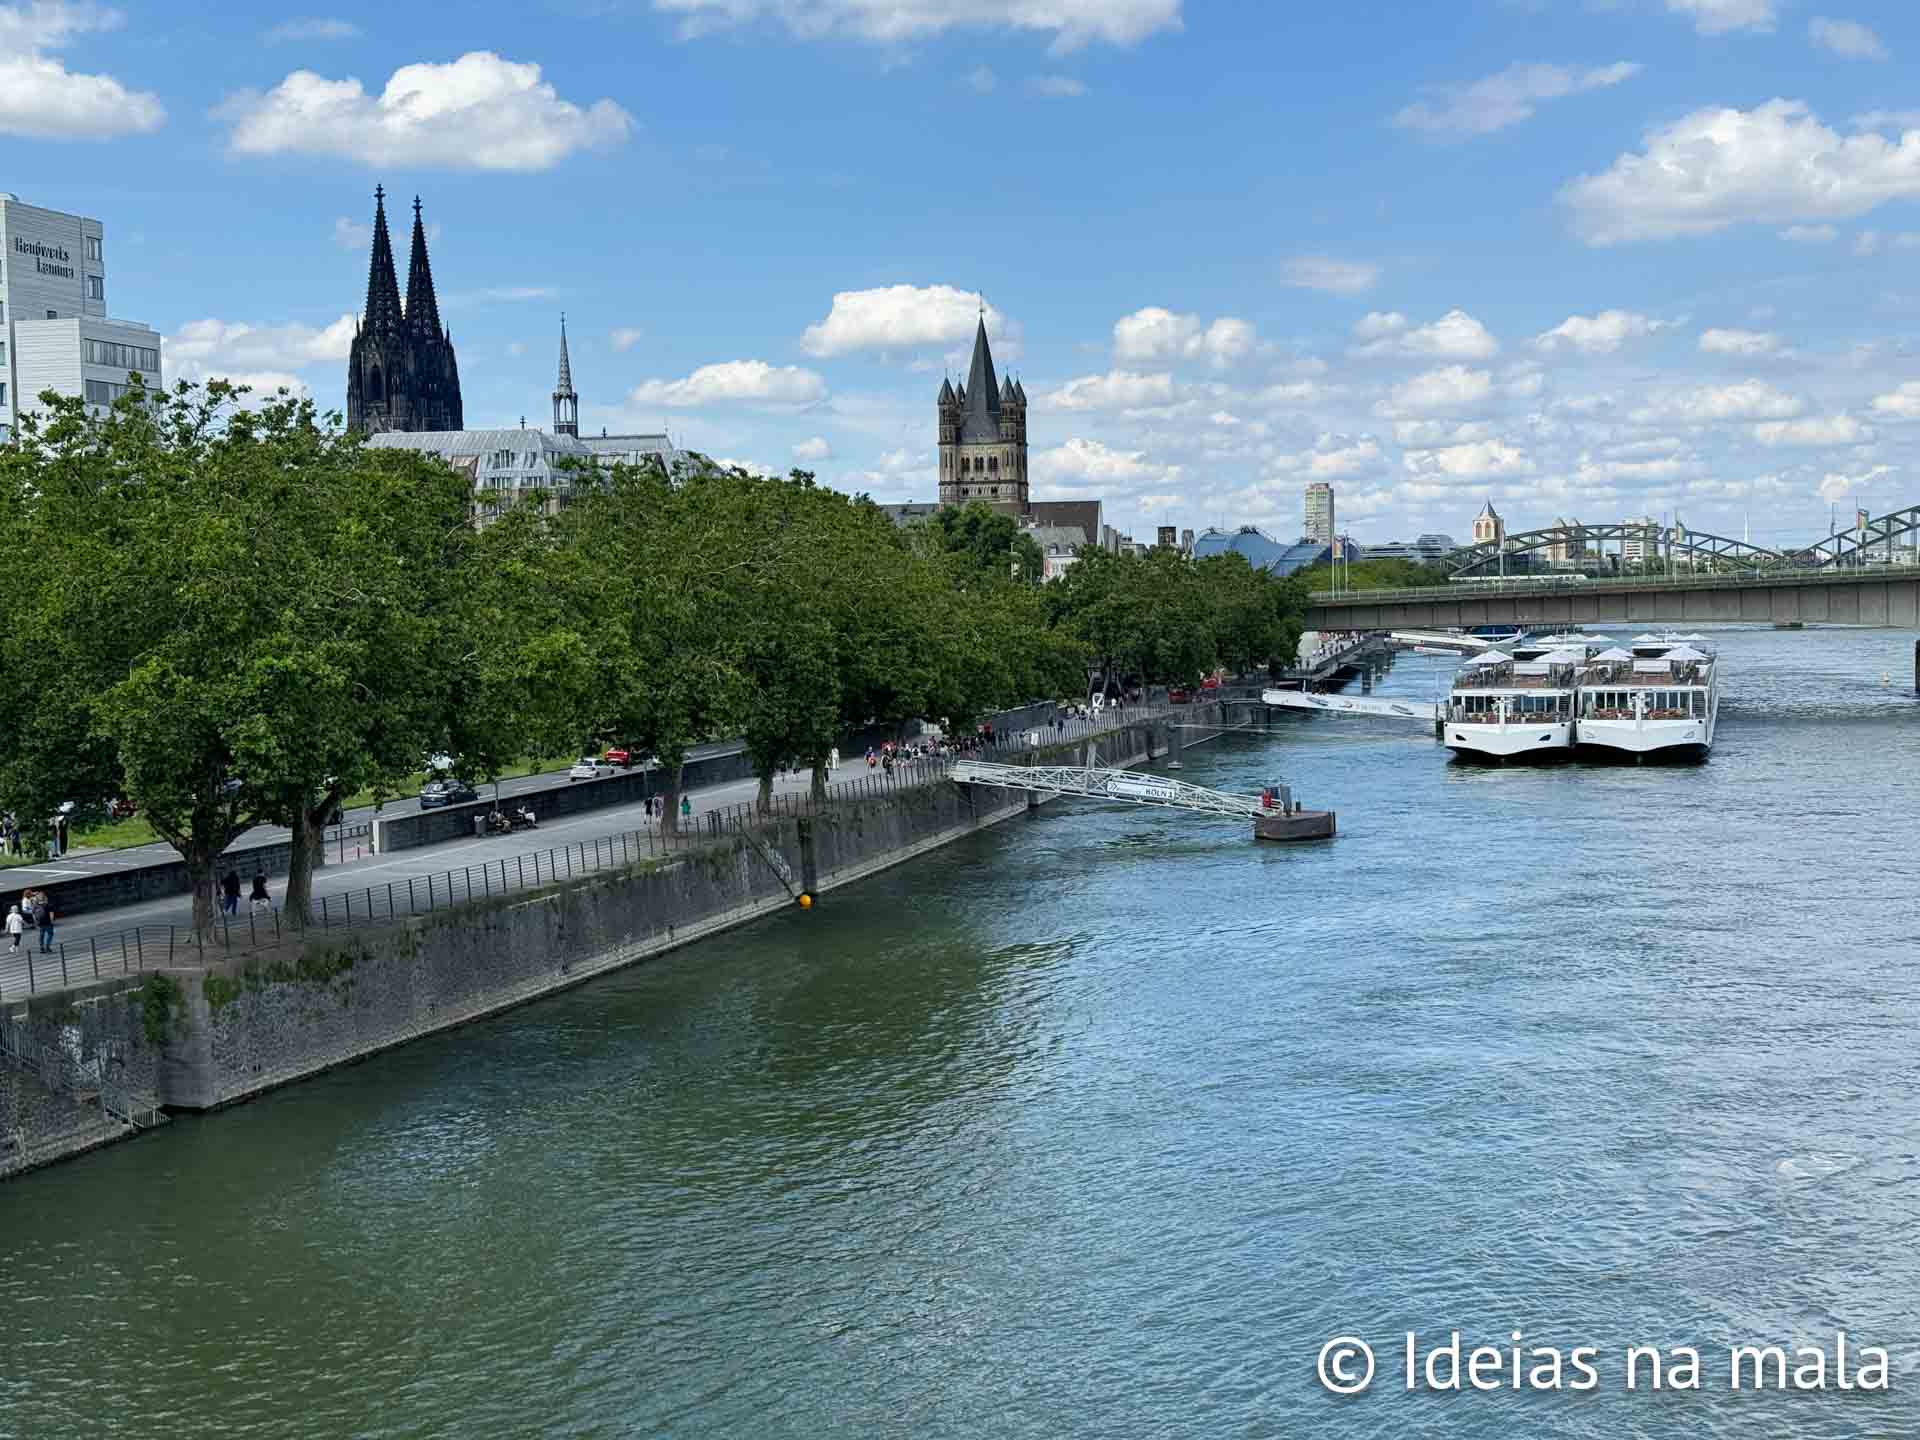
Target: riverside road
{"type": "Point", "coordinates": [367, 869]}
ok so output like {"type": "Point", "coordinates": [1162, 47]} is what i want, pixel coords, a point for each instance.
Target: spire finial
{"type": "Point", "coordinates": [416, 207]}
{"type": "Point", "coordinates": [379, 194]}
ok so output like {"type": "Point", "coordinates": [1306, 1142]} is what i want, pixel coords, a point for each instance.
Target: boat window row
{"type": "Point", "coordinates": [1655, 704]}
{"type": "Point", "coordinates": [1514, 709]}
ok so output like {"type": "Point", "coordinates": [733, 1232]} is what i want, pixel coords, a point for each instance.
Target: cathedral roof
{"type": "Point", "coordinates": [383, 290]}
{"type": "Point", "coordinates": [980, 419]}
{"type": "Point", "coordinates": [946, 392]}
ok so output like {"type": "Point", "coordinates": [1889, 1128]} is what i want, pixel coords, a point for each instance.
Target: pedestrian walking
{"type": "Point", "coordinates": [230, 892]}
{"type": "Point", "coordinates": [259, 899]}
{"type": "Point", "coordinates": [16, 927]}
{"type": "Point", "coordinates": [43, 918]}
{"type": "Point", "coordinates": [686, 807]}
{"type": "Point", "coordinates": [833, 758]}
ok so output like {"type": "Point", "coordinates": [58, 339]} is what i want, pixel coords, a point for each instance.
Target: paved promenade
{"type": "Point", "coordinates": [368, 870]}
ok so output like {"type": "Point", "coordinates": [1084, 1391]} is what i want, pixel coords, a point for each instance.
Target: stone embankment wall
{"type": "Point", "coordinates": [200, 1041]}
{"type": "Point", "coordinates": [56, 1051]}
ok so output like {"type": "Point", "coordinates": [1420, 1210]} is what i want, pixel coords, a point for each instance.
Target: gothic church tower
{"type": "Point", "coordinates": [983, 437]}
{"type": "Point", "coordinates": [401, 373]}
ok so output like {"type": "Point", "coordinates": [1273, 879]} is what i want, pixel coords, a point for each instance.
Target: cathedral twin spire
{"type": "Point", "coordinates": [402, 374]}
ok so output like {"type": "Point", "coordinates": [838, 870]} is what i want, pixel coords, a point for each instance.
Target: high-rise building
{"type": "Point", "coordinates": [401, 374]}
{"type": "Point", "coordinates": [54, 330]}
{"type": "Point", "coordinates": [983, 436]}
{"type": "Point", "coordinates": [1319, 526]}
{"type": "Point", "coordinates": [1167, 537]}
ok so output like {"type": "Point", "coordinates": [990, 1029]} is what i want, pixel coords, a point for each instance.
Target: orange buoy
{"type": "Point", "coordinates": [806, 901]}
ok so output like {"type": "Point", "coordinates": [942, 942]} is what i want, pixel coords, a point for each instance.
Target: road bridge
{"type": "Point", "coordinates": [1836, 594]}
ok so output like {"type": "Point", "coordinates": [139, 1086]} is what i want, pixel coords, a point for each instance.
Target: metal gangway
{"type": "Point", "coordinates": [1127, 786]}
{"type": "Point", "coordinates": [1426, 712]}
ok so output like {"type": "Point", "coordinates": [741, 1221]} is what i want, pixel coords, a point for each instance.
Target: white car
{"type": "Point", "coordinates": [588, 768]}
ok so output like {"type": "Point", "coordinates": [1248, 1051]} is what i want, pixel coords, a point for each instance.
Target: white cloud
{"type": "Point", "coordinates": [733, 381]}
{"type": "Point", "coordinates": [1810, 234]}
{"type": "Point", "coordinates": [1447, 390]}
{"type": "Point", "coordinates": [1600, 334]}
{"type": "Point", "coordinates": [1070, 23]}
{"type": "Point", "coordinates": [1848, 39]}
{"type": "Point", "coordinates": [980, 80]}
{"type": "Point", "coordinates": [1867, 242]}
{"type": "Point", "coordinates": [517, 348]}
{"type": "Point", "coordinates": [1478, 460]}
{"type": "Point", "coordinates": [1332, 457]}
{"type": "Point", "coordinates": [1156, 334]}
{"type": "Point", "coordinates": [1324, 272]}
{"type": "Point", "coordinates": [1116, 390]}
{"type": "Point", "coordinates": [312, 29]}
{"type": "Point", "coordinates": [1056, 87]}
{"type": "Point", "coordinates": [201, 349]}
{"type": "Point", "coordinates": [478, 113]}
{"type": "Point", "coordinates": [1814, 430]}
{"type": "Point", "coordinates": [1439, 434]}
{"type": "Point", "coordinates": [1887, 120]}
{"type": "Point", "coordinates": [900, 317]}
{"type": "Point", "coordinates": [1740, 342]}
{"type": "Point", "coordinates": [42, 99]}
{"type": "Point", "coordinates": [1709, 404]}
{"type": "Point", "coordinates": [349, 235]}
{"type": "Point", "coordinates": [1720, 167]}
{"type": "Point", "coordinates": [1505, 98]}
{"type": "Point", "coordinates": [1717, 17]}
{"type": "Point", "coordinates": [1835, 487]}
{"type": "Point", "coordinates": [1081, 464]}
{"type": "Point", "coordinates": [1900, 404]}
{"type": "Point", "coordinates": [813, 449]}
{"type": "Point", "coordinates": [1456, 335]}
{"type": "Point", "coordinates": [625, 337]}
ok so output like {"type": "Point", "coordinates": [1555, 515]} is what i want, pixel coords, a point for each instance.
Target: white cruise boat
{"type": "Point", "coordinates": [1513, 707]}
{"type": "Point", "coordinates": [1658, 701]}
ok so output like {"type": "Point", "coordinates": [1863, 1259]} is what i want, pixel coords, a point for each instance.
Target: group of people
{"type": "Point", "coordinates": [230, 892]}
{"type": "Point", "coordinates": [35, 911]}
{"type": "Point", "coordinates": [654, 807]}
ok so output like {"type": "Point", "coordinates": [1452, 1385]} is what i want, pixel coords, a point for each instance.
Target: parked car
{"type": "Point", "coordinates": [588, 768]}
{"type": "Point", "coordinates": [446, 792]}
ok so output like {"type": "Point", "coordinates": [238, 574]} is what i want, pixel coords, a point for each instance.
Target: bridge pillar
{"type": "Point", "coordinates": [1916, 666]}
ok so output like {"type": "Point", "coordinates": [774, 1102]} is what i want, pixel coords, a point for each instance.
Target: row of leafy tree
{"type": "Point", "coordinates": [204, 592]}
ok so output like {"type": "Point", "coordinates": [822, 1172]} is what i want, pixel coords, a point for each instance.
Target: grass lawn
{"type": "Point", "coordinates": [124, 834]}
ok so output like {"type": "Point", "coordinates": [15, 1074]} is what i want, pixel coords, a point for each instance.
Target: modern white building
{"type": "Point", "coordinates": [54, 330]}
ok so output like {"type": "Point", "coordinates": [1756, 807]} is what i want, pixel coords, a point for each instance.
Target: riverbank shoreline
{"type": "Point", "coordinates": [208, 1040]}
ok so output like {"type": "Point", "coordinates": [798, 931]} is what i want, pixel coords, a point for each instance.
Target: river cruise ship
{"type": "Point", "coordinates": [1657, 701]}
{"type": "Point", "coordinates": [1513, 707]}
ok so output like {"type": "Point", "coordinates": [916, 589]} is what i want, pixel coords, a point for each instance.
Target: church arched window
{"type": "Point", "coordinates": [375, 390]}
{"type": "Point", "coordinates": [993, 463]}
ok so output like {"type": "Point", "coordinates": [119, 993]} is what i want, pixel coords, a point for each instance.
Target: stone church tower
{"type": "Point", "coordinates": [983, 437]}
{"type": "Point", "coordinates": [401, 373]}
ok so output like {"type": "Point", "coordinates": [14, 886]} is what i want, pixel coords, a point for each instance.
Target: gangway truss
{"type": "Point", "coordinates": [1426, 712]}
{"type": "Point", "coordinates": [1127, 786]}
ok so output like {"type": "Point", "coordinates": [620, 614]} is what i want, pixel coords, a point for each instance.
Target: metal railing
{"type": "Point", "coordinates": [63, 1073]}
{"type": "Point", "coordinates": [143, 948]}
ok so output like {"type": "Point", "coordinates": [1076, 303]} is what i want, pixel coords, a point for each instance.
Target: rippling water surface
{"type": "Point", "coordinates": [1102, 1124]}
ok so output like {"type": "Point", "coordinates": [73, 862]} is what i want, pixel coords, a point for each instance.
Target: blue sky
{"type": "Point", "coordinates": [1589, 259]}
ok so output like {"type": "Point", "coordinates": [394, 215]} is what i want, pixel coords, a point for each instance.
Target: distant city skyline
{"type": "Point", "coordinates": [1571, 256]}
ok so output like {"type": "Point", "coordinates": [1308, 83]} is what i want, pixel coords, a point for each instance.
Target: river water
{"type": "Point", "coordinates": [1102, 1124]}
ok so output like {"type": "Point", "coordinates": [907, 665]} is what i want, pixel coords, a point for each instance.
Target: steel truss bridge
{"type": "Point", "coordinates": [1654, 544]}
{"type": "Point", "coordinates": [1658, 545]}
{"type": "Point", "coordinates": [1127, 786]}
